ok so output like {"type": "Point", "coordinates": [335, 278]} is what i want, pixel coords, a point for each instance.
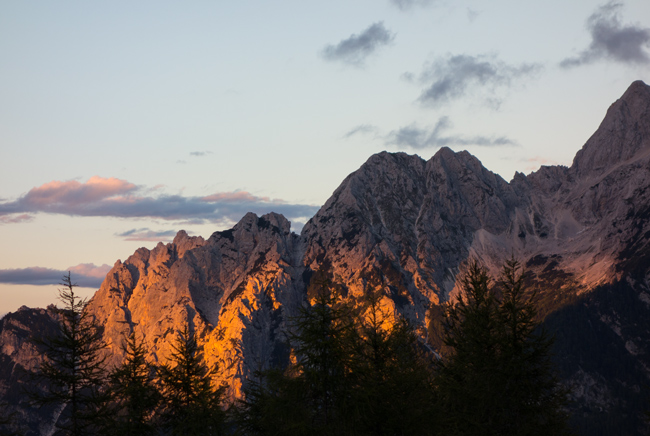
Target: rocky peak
{"type": "Point", "coordinates": [623, 134]}
{"type": "Point", "coordinates": [406, 227]}
{"type": "Point", "coordinates": [183, 242]}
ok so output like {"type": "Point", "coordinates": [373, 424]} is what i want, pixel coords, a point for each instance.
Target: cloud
{"type": "Point", "coordinates": [533, 163]}
{"type": "Point", "coordinates": [73, 193]}
{"type": "Point", "coordinates": [17, 218]}
{"type": "Point", "coordinates": [418, 138]}
{"type": "Point", "coordinates": [452, 77]}
{"type": "Point", "coordinates": [362, 129]}
{"type": "Point", "coordinates": [146, 234]}
{"type": "Point", "coordinates": [611, 40]}
{"type": "Point", "coordinates": [118, 198]}
{"type": "Point", "coordinates": [237, 197]}
{"type": "Point", "coordinates": [200, 153]}
{"type": "Point", "coordinates": [357, 48]}
{"type": "Point", "coordinates": [85, 275]}
{"type": "Point", "coordinates": [472, 14]}
{"type": "Point", "coordinates": [406, 5]}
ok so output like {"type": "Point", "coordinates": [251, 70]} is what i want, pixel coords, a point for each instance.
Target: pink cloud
{"type": "Point", "coordinates": [15, 219]}
{"type": "Point", "coordinates": [85, 275]}
{"type": "Point", "coordinates": [118, 198]}
{"type": "Point", "coordinates": [74, 193]}
{"type": "Point", "coordinates": [90, 270]}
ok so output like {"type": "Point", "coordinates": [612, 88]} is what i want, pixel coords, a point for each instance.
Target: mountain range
{"type": "Point", "coordinates": [409, 227]}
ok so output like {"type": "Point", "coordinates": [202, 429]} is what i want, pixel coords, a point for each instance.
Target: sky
{"type": "Point", "coordinates": [123, 122]}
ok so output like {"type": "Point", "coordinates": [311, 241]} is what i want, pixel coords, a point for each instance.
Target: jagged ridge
{"type": "Point", "coordinates": [409, 226]}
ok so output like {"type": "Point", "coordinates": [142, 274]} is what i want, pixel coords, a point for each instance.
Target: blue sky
{"type": "Point", "coordinates": [124, 122]}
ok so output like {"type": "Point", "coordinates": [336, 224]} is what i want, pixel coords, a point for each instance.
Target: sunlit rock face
{"type": "Point", "coordinates": [406, 224]}
{"type": "Point", "coordinates": [408, 227]}
{"type": "Point", "coordinates": [234, 290]}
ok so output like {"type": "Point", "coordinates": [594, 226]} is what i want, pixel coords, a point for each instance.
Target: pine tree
{"type": "Point", "coordinates": [73, 372]}
{"type": "Point", "coordinates": [135, 397]}
{"type": "Point", "coordinates": [191, 403]}
{"type": "Point", "coordinates": [498, 377]}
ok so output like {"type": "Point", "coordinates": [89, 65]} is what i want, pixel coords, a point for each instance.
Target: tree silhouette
{"type": "Point", "coordinates": [191, 403]}
{"type": "Point", "coordinates": [312, 396]}
{"type": "Point", "coordinates": [73, 372]}
{"type": "Point", "coordinates": [135, 397]}
{"type": "Point", "coordinates": [498, 378]}
{"type": "Point", "coordinates": [391, 375]}
{"type": "Point", "coordinates": [351, 376]}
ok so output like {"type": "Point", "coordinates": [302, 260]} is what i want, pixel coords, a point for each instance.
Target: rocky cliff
{"type": "Point", "coordinates": [408, 226]}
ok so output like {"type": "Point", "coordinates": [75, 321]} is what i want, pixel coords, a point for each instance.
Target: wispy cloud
{"type": "Point", "coordinates": [472, 14]}
{"type": "Point", "coordinates": [533, 163]}
{"type": "Point", "coordinates": [452, 77]}
{"type": "Point", "coordinates": [16, 218]}
{"type": "Point", "coordinates": [200, 153]}
{"type": "Point", "coordinates": [362, 129]}
{"type": "Point", "coordinates": [355, 49]}
{"type": "Point", "coordinates": [406, 5]}
{"type": "Point", "coordinates": [418, 138]}
{"type": "Point", "coordinates": [118, 198]}
{"type": "Point", "coordinates": [145, 234]}
{"type": "Point", "coordinates": [85, 274]}
{"type": "Point", "coordinates": [612, 40]}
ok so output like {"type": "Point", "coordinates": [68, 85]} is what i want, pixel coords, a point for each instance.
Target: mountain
{"type": "Point", "coordinates": [409, 226]}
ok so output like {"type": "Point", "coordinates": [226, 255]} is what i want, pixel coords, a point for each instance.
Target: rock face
{"type": "Point", "coordinates": [409, 226]}
{"type": "Point", "coordinates": [233, 290]}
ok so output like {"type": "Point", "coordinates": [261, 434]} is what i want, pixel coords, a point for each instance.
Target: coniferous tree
{"type": "Point", "coordinates": [313, 395]}
{"type": "Point", "coordinates": [324, 347]}
{"type": "Point", "coordinates": [392, 376]}
{"type": "Point", "coordinates": [191, 403]}
{"type": "Point", "coordinates": [497, 378]}
{"type": "Point", "coordinates": [73, 372]}
{"type": "Point", "coordinates": [134, 395]}
{"type": "Point", "coordinates": [352, 375]}
{"type": "Point", "coordinates": [535, 401]}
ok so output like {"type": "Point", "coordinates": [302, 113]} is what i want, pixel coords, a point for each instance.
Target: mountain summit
{"type": "Point", "coordinates": [623, 135]}
{"type": "Point", "coordinates": [408, 227]}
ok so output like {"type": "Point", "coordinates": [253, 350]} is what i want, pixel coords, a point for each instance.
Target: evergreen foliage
{"type": "Point", "coordinates": [391, 376]}
{"type": "Point", "coordinates": [191, 404]}
{"type": "Point", "coordinates": [73, 371]}
{"type": "Point", "coordinates": [312, 395]}
{"type": "Point", "coordinates": [356, 370]}
{"type": "Point", "coordinates": [497, 378]}
{"type": "Point", "coordinates": [135, 397]}
{"type": "Point", "coordinates": [324, 348]}
{"type": "Point", "coordinates": [350, 377]}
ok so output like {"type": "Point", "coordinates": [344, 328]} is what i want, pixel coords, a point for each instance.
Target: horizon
{"type": "Point", "coordinates": [124, 124]}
